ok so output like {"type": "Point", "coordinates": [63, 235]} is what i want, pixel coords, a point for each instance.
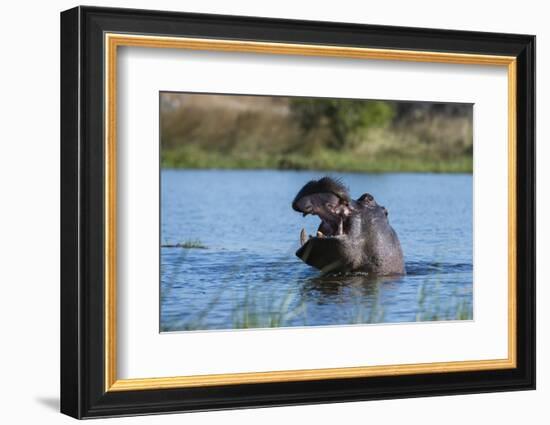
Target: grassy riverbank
{"type": "Point", "coordinates": [246, 132]}
{"type": "Point", "coordinates": [192, 158]}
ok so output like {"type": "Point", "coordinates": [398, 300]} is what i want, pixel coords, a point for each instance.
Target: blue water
{"type": "Point", "coordinates": [248, 275]}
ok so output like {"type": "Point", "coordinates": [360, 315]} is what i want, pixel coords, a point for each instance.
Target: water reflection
{"type": "Point", "coordinates": [333, 288]}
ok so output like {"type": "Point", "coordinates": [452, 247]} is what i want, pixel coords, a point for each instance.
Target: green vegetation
{"type": "Point", "coordinates": [253, 132]}
{"type": "Point", "coordinates": [192, 243]}
{"type": "Point", "coordinates": [261, 311]}
{"type": "Point", "coordinates": [430, 310]}
{"type": "Point", "coordinates": [345, 120]}
{"type": "Point", "coordinates": [323, 160]}
{"type": "Point", "coordinates": [253, 313]}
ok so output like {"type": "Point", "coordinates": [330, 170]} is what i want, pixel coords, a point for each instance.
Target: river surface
{"type": "Point", "coordinates": [241, 271]}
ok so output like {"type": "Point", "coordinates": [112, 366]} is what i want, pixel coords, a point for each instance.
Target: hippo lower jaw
{"type": "Point", "coordinates": [330, 254]}
{"type": "Point", "coordinates": [341, 249]}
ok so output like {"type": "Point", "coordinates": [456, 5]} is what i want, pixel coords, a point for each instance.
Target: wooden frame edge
{"type": "Point", "coordinates": [306, 375]}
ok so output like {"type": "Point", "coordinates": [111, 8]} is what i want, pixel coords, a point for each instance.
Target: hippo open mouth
{"type": "Point", "coordinates": [354, 235]}
{"type": "Point", "coordinates": [325, 252]}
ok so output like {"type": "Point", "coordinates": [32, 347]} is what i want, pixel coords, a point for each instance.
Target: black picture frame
{"type": "Point", "coordinates": [83, 392]}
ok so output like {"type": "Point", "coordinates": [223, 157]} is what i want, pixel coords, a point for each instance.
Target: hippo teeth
{"type": "Point", "coordinates": [340, 227]}
{"type": "Point", "coordinates": [320, 234]}
{"type": "Point", "coordinates": [303, 236]}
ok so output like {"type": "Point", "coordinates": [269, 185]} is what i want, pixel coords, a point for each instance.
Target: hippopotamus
{"type": "Point", "coordinates": [354, 235]}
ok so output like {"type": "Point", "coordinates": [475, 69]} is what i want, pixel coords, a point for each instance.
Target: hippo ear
{"type": "Point", "coordinates": [367, 199]}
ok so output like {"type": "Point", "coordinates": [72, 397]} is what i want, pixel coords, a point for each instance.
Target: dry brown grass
{"type": "Point", "coordinates": [213, 131]}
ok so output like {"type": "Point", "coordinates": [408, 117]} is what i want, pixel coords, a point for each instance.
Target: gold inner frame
{"type": "Point", "coordinates": [113, 41]}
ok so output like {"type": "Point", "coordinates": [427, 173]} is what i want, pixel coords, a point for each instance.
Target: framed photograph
{"type": "Point", "coordinates": [261, 212]}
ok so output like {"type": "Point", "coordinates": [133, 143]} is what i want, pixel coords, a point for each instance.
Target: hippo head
{"type": "Point", "coordinates": [354, 235]}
